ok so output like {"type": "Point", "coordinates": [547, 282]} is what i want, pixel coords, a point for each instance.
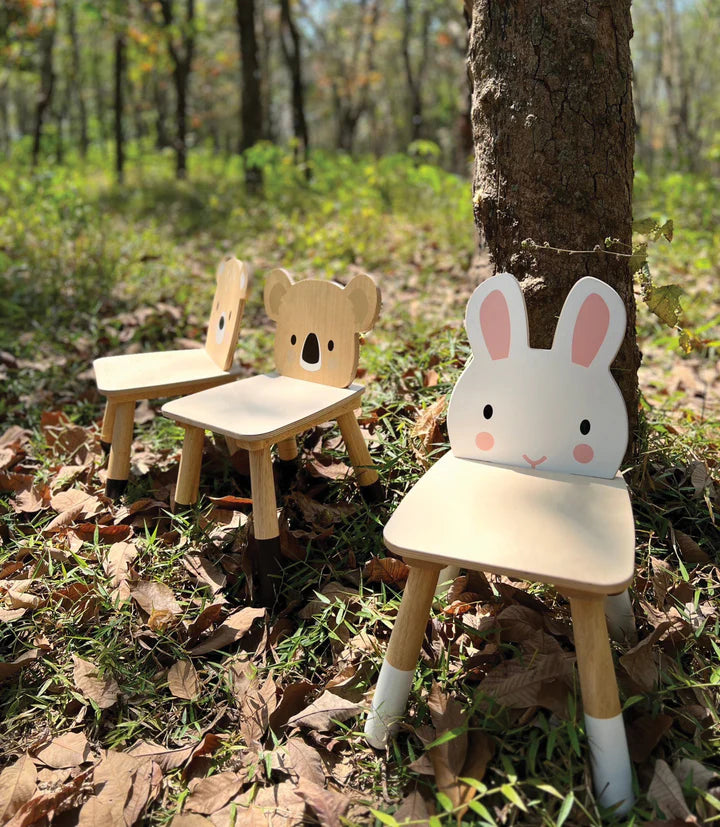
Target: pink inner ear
{"type": "Point", "coordinates": [495, 324]}
{"type": "Point", "coordinates": [591, 328]}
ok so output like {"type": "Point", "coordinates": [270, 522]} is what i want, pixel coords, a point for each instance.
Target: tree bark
{"type": "Point", "coordinates": [182, 63]}
{"type": "Point", "coordinates": [119, 72]}
{"type": "Point", "coordinates": [553, 130]}
{"type": "Point", "coordinates": [251, 112]}
{"type": "Point", "coordinates": [290, 42]}
{"type": "Point", "coordinates": [416, 75]}
{"type": "Point", "coordinates": [76, 78]}
{"type": "Point", "coordinates": [47, 81]}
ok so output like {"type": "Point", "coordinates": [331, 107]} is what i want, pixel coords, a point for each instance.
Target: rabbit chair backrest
{"type": "Point", "coordinates": [319, 324]}
{"type": "Point", "coordinates": [227, 311]}
{"type": "Point", "coordinates": [557, 410]}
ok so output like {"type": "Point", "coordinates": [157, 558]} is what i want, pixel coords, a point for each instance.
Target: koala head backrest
{"type": "Point", "coordinates": [227, 310]}
{"type": "Point", "coordinates": [318, 325]}
{"type": "Point", "coordinates": [557, 410]}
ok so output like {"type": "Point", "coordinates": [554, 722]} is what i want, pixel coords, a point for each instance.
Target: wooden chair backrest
{"type": "Point", "coordinates": [233, 277]}
{"type": "Point", "coordinates": [550, 410]}
{"type": "Point", "coordinates": [319, 325]}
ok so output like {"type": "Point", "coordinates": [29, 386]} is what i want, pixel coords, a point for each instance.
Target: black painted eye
{"type": "Point", "coordinates": [331, 344]}
{"type": "Point", "coordinates": [488, 411]}
{"type": "Point", "coordinates": [221, 323]}
{"type": "Point", "coordinates": [293, 339]}
{"type": "Point", "coordinates": [585, 427]}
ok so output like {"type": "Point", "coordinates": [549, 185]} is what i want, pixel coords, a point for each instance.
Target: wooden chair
{"type": "Point", "coordinates": [128, 378]}
{"type": "Point", "coordinates": [316, 356]}
{"type": "Point", "coordinates": [529, 489]}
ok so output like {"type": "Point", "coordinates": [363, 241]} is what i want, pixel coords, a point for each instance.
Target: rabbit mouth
{"type": "Point", "coordinates": [533, 463]}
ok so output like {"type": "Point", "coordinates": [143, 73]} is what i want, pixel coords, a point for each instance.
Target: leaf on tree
{"type": "Point", "coordinates": [101, 689]}
{"type": "Point", "coordinates": [183, 680]}
{"type": "Point", "coordinates": [17, 786]}
{"type": "Point", "coordinates": [324, 713]}
{"type": "Point", "coordinates": [664, 302]}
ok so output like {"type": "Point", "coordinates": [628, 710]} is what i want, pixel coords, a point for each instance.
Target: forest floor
{"type": "Point", "coordinates": [136, 683]}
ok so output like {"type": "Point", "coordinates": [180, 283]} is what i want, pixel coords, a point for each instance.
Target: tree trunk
{"type": "Point", "coordinates": [553, 129]}
{"type": "Point", "coordinates": [290, 42]}
{"type": "Point", "coordinates": [76, 78]}
{"type": "Point", "coordinates": [251, 115]}
{"type": "Point", "coordinates": [119, 71]}
{"type": "Point", "coordinates": [99, 91]}
{"type": "Point", "coordinates": [162, 139]}
{"type": "Point", "coordinates": [47, 82]}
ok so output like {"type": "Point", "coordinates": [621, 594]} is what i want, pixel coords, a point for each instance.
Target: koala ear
{"type": "Point", "coordinates": [591, 325]}
{"type": "Point", "coordinates": [231, 267]}
{"type": "Point", "coordinates": [496, 318]}
{"type": "Point", "coordinates": [364, 297]}
{"type": "Point", "coordinates": [276, 286]}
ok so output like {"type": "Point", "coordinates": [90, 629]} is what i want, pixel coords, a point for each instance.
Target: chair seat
{"type": "Point", "coordinates": [161, 373]}
{"type": "Point", "coordinates": [263, 408]}
{"type": "Point", "coordinates": [570, 531]}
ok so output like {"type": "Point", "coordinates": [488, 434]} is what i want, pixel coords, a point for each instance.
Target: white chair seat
{"type": "Point", "coordinates": [263, 407]}
{"type": "Point", "coordinates": [571, 531]}
{"type": "Point", "coordinates": [161, 373]}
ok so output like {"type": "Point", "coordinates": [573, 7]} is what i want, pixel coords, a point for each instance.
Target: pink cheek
{"type": "Point", "coordinates": [583, 453]}
{"type": "Point", "coordinates": [484, 441]}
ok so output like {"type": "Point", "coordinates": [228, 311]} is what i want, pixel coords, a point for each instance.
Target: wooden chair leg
{"type": "Point", "coordinates": [365, 472]}
{"type": "Point", "coordinates": [188, 481]}
{"type": "Point", "coordinates": [396, 674]}
{"type": "Point", "coordinates": [287, 460]}
{"type": "Point", "coordinates": [621, 618]}
{"type": "Point", "coordinates": [108, 424]}
{"type": "Point", "coordinates": [119, 461]}
{"type": "Point", "coordinates": [265, 522]}
{"type": "Point", "coordinates": [445, 579]}
{"type": "Point", "coordinates": [612, 773]}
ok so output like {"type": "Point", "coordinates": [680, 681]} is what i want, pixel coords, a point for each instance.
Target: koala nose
{"type": "Point", "coordinates": [311, 350]}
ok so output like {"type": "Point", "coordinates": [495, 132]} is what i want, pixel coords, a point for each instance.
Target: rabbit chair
{"type": "Point", "coordinates": [529, 489]}
{"type": "Point", "coordinates": [316, 356]}
{"type": "Point", "coordinates": [128, 378]}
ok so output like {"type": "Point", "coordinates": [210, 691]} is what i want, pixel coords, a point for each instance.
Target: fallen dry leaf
{"type": "Point", "coordinates": [17, 786]}
{"type": "Point", "coordinates": [667, 795]}
{"type": "Point", "coordinates": [10, 668]}
{"type": "Point", "coordinates": [329, 806]}
{"type": "Point", "coordinates": [205, 572]}
{"type": "Point", "coordinates": [183, 680]}
{"type": "Point", "coordinates": [641, 663]}
{"type": "Point", "coordinates": [153, 596]}
{"type": "Point", "coordinates": [298, 759]}
{"type": "Point", "coordinates": [644, 734]}
{"type": "Point", "coordinates": [386, 570]}
{"type": "Point", "coordinates": [102, 690]}
{"type": "Point", "coordinates": [68, 750]}
{"type": "Point", "coordinates": [97, 813]}
{"type": "Point", "coordinates": [170, 759]}
{"type": "Point", "coordinates": [232, 629]}
{"type": "Point", "coordinates": [324, 713]}
{"type": "Point", "coordinates": [211, 794]}
{"type": "Point", "coordinates": [413, 810]}
{"type": "Point", "coordinates": [67, 796]}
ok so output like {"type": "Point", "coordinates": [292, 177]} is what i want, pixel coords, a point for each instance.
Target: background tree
{"type": "Point", "coordinates": [251, 113]}
{"type": "Point", "coordinates": [47, 74]}
{"type": "Point", "coordinates": [553, 128]}
{"type": "Point", "coordinates": [118, 98]}
{"type": "Point", "coordinates": [291, 48]}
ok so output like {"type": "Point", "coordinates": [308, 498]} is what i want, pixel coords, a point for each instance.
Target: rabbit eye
{"type": "Point", "coordinates": [585, 427]}
{"type": "Point", "coordinates": [331, 344]}
{"type": "Point", "coordinates": [293, 339]}
{"type": "Point", "coordinates": [488, 411]}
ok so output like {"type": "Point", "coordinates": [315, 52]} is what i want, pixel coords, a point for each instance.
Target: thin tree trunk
{"type": "Point", "coordinates": [99, 99]}
{"type": "Point", "coordinates": [266, 85]}
{"type": "Point", "coordinates": [119, 72]}
{"type": "Point", "coordinates": [76, 79]}
{"type": "Point", "coordinates": [415, 76]}
{"type": "Point", "coordinates": [162, 138]}
{"type": "Point", "coordinates": [553, 133]}
{"type": "Point", "coordinates": [47, 82]}
{"type": "Point", "coordinates": [291, 48]}
{"type": "Point", "coordinates": [251, 112]}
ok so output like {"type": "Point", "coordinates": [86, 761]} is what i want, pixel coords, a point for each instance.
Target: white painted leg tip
{"type": "Point", "coordinates": [612, 772]}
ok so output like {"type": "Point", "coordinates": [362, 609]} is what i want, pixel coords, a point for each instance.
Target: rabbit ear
{"type": "Point", "coordinates": [496, 318]}
{"type": "Point", "coordinates": [591, 325]}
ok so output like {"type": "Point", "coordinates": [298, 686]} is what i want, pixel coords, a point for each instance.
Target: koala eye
{"type": "Point", "coordinates": [221, 323]}
{"type": "Point", "coordinates": [331, 344]}
{"type": "Point", "coordinates": [488, 411]}
{"type": "Point", "coordinates": [293, 339]}
{"type": "Point", "coordinates": [585, 427]}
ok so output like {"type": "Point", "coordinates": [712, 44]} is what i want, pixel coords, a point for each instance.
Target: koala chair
{"type": "Point", "coordinates": [529, 489]}
{"type": "Point", "coordinates": [316, 356]}
{"type": "Point", "coordinates": [128, 378]}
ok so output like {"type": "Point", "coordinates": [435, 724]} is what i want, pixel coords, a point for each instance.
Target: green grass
{"type": "Point", "coordinates": [79, 256]}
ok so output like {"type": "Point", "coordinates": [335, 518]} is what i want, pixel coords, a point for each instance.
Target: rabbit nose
{"type": "Point", "coordinates": [311, 350]}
